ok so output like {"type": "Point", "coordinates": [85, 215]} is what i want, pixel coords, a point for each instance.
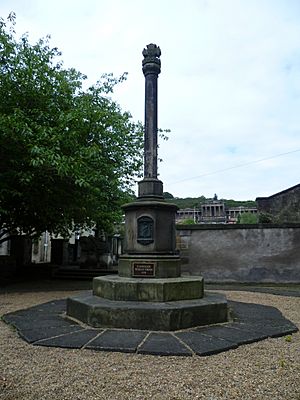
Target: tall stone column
{"type": "Point", "coordinates": [150, 186]}
{"type": "Point", "coordinates": [151, 69]}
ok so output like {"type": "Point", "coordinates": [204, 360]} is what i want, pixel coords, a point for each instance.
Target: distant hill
{"type": "Point", "coordinates": [191, 202]}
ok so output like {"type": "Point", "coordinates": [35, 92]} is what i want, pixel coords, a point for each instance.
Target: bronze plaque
{"type": "Point", "coordinates": [143, 269]}
{"type": "Point", "coordinates": [145, 230]}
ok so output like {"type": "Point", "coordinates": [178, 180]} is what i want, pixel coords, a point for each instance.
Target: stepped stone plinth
{"type": "Point", "coordinates": [149, 291]}
{"type": "Point", "coordinates": [155, 316]}
{"type": "Point", "coordinates": [114, 287]}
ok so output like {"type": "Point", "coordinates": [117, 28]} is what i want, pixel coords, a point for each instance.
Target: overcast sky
{"type": "Point", "coordinates": [229, 89]}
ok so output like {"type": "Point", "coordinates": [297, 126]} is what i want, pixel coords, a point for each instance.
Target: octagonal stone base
{"type": "Point", "coordinates": [114, 287]}
{"type": "Point", "coordinates": [167, 316]}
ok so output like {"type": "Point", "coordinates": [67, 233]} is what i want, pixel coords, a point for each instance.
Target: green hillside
{"type": "Point", "coordinates": [191, 202]}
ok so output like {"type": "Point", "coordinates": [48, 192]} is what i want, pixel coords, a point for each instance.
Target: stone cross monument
{"type": "Point", "coordinates": [149, 291]}
{"type": "Point", "coordinates": [150, 185]}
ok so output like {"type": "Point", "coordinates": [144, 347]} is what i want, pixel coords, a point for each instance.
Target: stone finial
{"type": "Point", "coordinates": [151, 61]}
{"type": "Point", "coordinates": [151, 53]}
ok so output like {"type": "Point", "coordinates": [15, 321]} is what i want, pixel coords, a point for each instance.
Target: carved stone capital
{"type": "Point", "coordinates": [151, 61]}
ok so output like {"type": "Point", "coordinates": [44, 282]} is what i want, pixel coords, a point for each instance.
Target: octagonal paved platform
{"type": "Point", "coordinates": [47, 325]}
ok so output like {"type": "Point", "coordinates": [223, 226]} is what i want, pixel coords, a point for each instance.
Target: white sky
{"type": "Point", "coordinates": [229, 89]}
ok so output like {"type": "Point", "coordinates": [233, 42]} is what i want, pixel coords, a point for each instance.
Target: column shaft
{"type": "Point", "coordinates": [150, 155]}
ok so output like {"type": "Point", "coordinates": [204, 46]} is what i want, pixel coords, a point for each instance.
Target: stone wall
{"type": "Point", "coordinates": [241, 253]}
{"type": "Point", "coordinates": [284, 206]}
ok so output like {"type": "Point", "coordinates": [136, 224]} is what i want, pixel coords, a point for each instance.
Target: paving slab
{"type": "Point", "coordinates": [254, 312]}
{"type": "Point", "coordinates": [55, 307]}
{"type": "Point", "coordinates": [123, 340]}
{"type": "Point", "coordinates": [34, 335]}
{"type": "Point", "coordinates": [233, 334]}
{"type": "Point", "coordinates": [34, 321]}
{"type": "Point", "coordinates": [278, 330]}
{"type": "Point", "coordinates": [73, 340]}
{"type": "Point", "coordinates": [250, 328]}
{"type": "Point", "coordinates": [163, 344]}
{"type": "Point", "coordinates": [205, 345]}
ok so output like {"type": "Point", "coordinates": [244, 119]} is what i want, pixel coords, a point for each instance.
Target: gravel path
{"type": "Point", "coordinates": [265, 370]}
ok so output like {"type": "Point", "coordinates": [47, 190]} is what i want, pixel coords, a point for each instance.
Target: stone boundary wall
{"type": "Point", "coordinates": [266, 253]}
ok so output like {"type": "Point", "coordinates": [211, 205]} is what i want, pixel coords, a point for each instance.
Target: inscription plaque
{"type": "Point", "coordinates": [145, 230]}
{"type": "Point", "coordinates": [143, 269]}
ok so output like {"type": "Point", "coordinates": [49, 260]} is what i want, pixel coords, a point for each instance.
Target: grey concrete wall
{"type": "Point", "coordinates": [241, 253]}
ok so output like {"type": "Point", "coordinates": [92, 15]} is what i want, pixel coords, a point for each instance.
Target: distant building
{"type": "Point", "coordinates": [232, 213]}
{"type": "Point", "coordinates": [213, 212]}
{"type": "Point", "coordinates": [283, 206]}
{"type": "Point", "coordinates": [186, 214]}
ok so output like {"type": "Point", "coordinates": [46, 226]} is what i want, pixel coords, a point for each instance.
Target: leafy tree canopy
{"type": "Point", "coordinates": [238, 203]}
{"type": "Point", "coordinates": [247, 218]}
{"type": "Point", "coordinates": [168, 195]}
{"type": "Point", "coordinates": [265, 218]}
{"type": "Point", "coordinates": [188, 221]}
{"type": "Point", "coordinates": [68, 156]}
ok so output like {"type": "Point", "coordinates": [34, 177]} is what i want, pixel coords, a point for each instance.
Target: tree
{"type": "Point", "coordinates": [238, 203]}
{"type": "Point", "coordinates": [188, 221]}
{"type": "Point", "coordinates": [168, 195]}
{"type": "Point", "coordinates": [265, 218]}
{"type": "Point", "coordinates": [247, 218]}
{"type": "Point", "coordinates": [68, 156]}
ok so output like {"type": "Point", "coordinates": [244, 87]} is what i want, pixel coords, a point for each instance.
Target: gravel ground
{"type": "Point", "coordinates": [269, 369]}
